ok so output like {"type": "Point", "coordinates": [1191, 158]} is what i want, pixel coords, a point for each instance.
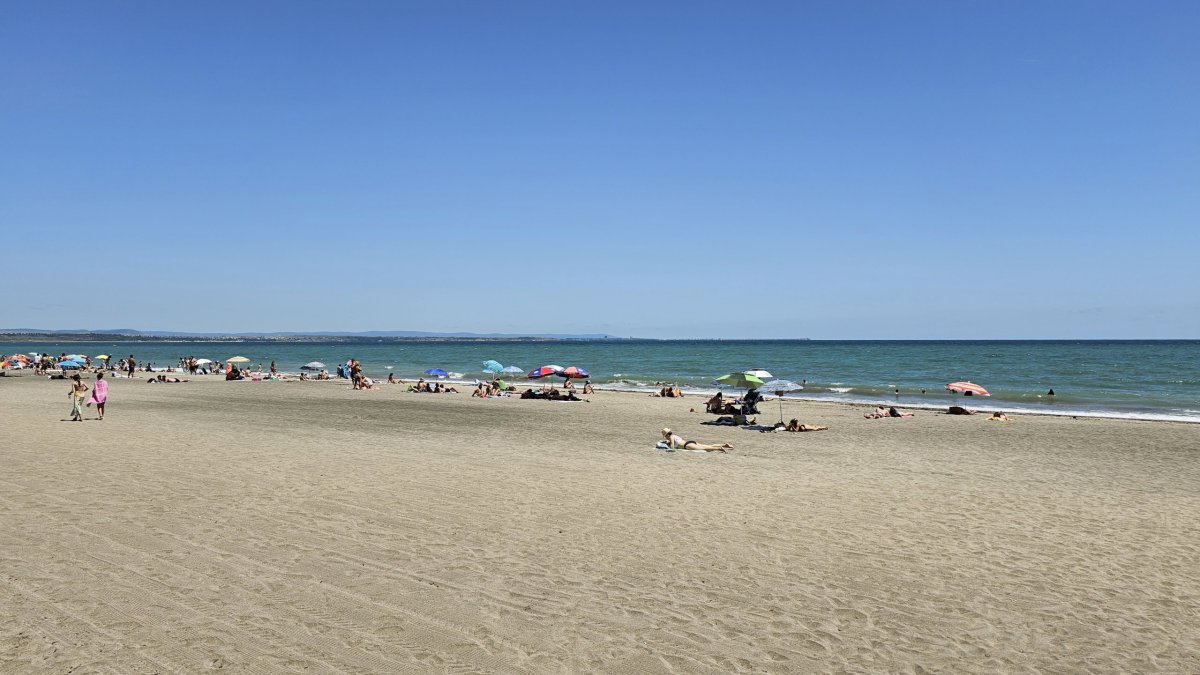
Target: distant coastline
{"type": "Point", "coordinates": [126, 335]}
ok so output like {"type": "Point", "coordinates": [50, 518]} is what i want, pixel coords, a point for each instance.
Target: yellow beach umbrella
{"type": "Point", "coordinates": [102, 356]}
{"type": "Point", "coordinates": [238, 359]}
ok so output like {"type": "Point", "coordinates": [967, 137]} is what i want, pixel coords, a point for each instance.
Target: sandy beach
{"type": "Point", "coordinates": [287, 527]}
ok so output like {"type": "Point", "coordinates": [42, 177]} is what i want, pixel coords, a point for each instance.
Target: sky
{"type": "Point", "coordinates": [831, 170]}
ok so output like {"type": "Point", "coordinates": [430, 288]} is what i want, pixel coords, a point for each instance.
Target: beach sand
{"type": "Point", "coordinates": [277, 527]}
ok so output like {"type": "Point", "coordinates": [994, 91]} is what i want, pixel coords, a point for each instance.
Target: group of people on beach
{"type": "Point", "coordinates": [80, 398]}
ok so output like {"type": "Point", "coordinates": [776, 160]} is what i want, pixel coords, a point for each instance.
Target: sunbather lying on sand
{"type": "Point", "coordinates": [881, 411]}
{"type": "Point", "coordinates": [999, 417]}
{"type": "Point", "coordinates": [678, 443]}
{"type": "Point", "coordinates": [794, 425]}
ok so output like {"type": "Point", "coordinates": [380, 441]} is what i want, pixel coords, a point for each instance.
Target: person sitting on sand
{"type": "Point", "coordinates": [303, 377]}
{"type": "Point", "coordinates": [999, 417]}
{"type": "Point", "coordinates": [587, 387]}
{"type": "Point", "coordinates": [750, 402]}
{"type": "Point", "coordinates": [677, 443]}
{"type": "Point", "coordinates": [795, 425]}
{"type": "Point", "coordinates": [480, 391]}
{"type": "Point", "coordinates": [716, 404]}
{"type": "Point", "coordinates": [879, 412]}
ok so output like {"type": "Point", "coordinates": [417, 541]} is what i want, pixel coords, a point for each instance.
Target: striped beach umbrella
{"type": "Point", "coordinates": [574, 372]}
{"type": "Point", "coordinates": [967, 389]}
{"type": "Point", "coordinates": [544, 371]}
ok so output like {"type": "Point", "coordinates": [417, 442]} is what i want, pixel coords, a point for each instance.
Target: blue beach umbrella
{"type": "Point", "coordinates": [513, 370]}
{"type": "Point", "coordinates": [71, 363]}
{"type": "Point", "coordinates": [436, 372]}
{"type": "Point", "coordinates": [492, 367]}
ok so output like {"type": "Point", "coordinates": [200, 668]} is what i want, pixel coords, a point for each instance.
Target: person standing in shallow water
{"type": "Point", "coordinates": [78, 389]}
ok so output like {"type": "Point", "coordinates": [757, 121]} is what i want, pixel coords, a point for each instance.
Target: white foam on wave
{"type": "Point", "coordinates": [1184, 415]}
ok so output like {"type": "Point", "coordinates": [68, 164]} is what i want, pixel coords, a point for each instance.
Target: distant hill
{"type": "Point", "coordinates": [135, 334]}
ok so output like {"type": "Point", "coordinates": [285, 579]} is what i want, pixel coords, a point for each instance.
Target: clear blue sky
{"type": "Point", "coordinates": [692, 169]}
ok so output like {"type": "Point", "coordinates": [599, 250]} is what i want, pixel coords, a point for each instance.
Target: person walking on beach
{"type": "Point", "coordinates": [78, 389]}
{"type": "Point", "coordinates": [99, 394]}
{"type": "Point", "coordinates": [130, 365]}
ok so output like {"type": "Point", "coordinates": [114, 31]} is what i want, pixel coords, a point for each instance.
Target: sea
{"type": "Point", "coordinates": [1136, 379]}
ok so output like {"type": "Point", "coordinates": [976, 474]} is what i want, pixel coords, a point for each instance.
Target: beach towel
{"type": "Point", "coordinates": [99, 392]}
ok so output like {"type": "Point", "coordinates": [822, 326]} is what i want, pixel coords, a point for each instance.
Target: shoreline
{"type": "Point", "coordinates": [983, 405]}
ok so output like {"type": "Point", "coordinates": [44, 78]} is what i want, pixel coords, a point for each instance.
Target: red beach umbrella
{"type": "Point", "coordinates": [574, 372]}
{"type": "Point", "coordinates": [544, 371]}
{"type": "Point", "coordinates": [967, 388]}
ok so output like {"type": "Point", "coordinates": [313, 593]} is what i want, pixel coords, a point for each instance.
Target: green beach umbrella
{"type": "Point", "coordinates": [740, 380]}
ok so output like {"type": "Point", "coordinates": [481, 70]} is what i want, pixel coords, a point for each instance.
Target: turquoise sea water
{"type": "Point", "coordinates": [1137, 379]}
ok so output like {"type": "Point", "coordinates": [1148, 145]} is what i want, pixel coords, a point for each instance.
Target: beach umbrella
{"type": "Point", "coordinates": [544, 371]}
{"type": "Point", "coordinates": [19, 357]}
{"type": "Point", "coordinates": [312, 365]}
{"type": "Point", "coordinates": [238, 359]}
{"type": "Point", "coordinates": [74, 357]}
{"type": "Point", "coordinates": [513, 370]}
{"type": "Point", "coordinates": [739, 380]}
{"type": "Point", "coordinates": [203, 362]}
{"type": "Point", "coordinates": [759, 373]}
{"type": "Point", "coordinates": [436, 372]}
{"type": "Point", "coordinates": [574, 372]}
{"type": "Point", "coordinates": [103, 356]}
{"type": "Point", "coordinates": [967, 389]}
{"type": "Point", "coordinates": [70, 363]}
{"type": "Point", "coordinates": [780, 387]}
{"type": "Point", "coordinates": [492, 367]}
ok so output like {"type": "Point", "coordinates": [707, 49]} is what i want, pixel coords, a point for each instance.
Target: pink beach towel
{"type": "Point", "coordinates": [99, 392]}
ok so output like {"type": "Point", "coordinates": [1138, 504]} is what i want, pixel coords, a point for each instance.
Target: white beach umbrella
{"type": "Point", "coordinates": [238, 359]}
{"type": "Point", "coordinates": [312, 365]}
{"type": "Point", "coordinates": [760, 374]}
{"type": "Point", "coordinates": [203, 362]}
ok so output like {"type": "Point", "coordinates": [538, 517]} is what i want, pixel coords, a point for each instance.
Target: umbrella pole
{"type": "Point", "coordinates": [781, 408]}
